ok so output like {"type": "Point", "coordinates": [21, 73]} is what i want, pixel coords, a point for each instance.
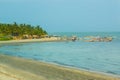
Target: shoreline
{"type": "Point", "coordinates": [52, 39]}
{"type": "Point", "coordinates": [23, 69]}
{"type": "Point", "coordinates": [81, 69]}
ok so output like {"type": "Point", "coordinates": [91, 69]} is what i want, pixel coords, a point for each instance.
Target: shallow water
{"type": "Point", "coordinates": [95, 56]}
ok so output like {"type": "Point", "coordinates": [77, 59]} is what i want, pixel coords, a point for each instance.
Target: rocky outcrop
{"type": "Point", "coordinates": [98, 39]}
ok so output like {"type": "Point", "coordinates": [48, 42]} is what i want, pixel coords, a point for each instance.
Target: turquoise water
{"type": "Point", "coordinates": [95, 56]}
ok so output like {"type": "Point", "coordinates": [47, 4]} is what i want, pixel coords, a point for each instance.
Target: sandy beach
{"type": "Point", "coordinates": [32, 40]}
{"type": "Point", "coordinates": [14, 68]}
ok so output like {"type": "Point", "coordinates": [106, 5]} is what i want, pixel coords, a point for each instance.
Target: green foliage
{"type": "Point", "coordinates": [19, 30]}
{"type": "Point", "coordinates": [4, 38]}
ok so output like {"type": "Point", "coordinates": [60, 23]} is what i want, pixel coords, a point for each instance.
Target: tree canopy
{"type": "Point", "coordinates": [20, 30]}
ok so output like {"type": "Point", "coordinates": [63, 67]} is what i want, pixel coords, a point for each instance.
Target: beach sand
{"type": "Point", "coordinates": [14, 68]}
{"type": "Point", "coordinates": [32, 40]}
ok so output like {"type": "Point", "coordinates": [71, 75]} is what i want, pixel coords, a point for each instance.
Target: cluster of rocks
{"type": "Point", "coordinates": [97, 39]}
{"type": "Point", "coordinates": [89, 39]}
{"type": "Point", "coordinates": [85, 39]}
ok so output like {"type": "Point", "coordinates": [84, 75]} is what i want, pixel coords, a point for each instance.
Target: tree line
{"type": "Point", "coordinates": [19, 30]}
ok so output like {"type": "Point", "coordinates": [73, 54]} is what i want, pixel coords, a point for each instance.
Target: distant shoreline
{"type": "Point", "coordinates": [33, 40]}
{"type": "Point", "coordinates": [57, 39]}
{"type": "Point", "coordinates": [26, 69]}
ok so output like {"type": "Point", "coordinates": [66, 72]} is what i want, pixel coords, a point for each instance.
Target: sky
{"type": "Point", "coordinates": [64, 15]}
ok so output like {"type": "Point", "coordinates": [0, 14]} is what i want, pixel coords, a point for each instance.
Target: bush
{"type": "Point", "coordinates": [5, 38]}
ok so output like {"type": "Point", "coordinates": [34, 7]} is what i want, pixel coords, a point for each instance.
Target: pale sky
{"type": "Point", "coordinates": [64, 15]}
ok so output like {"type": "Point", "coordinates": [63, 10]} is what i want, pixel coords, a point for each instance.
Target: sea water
{"type": "Point", "coordinates": [94, 56]}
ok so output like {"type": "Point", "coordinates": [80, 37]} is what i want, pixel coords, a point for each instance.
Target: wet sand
{"type": "Point", "coordinates": [14, 68]}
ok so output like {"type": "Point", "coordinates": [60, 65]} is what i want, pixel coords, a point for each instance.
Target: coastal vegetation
{"type": "Point", "coordinates": [20, 31]}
